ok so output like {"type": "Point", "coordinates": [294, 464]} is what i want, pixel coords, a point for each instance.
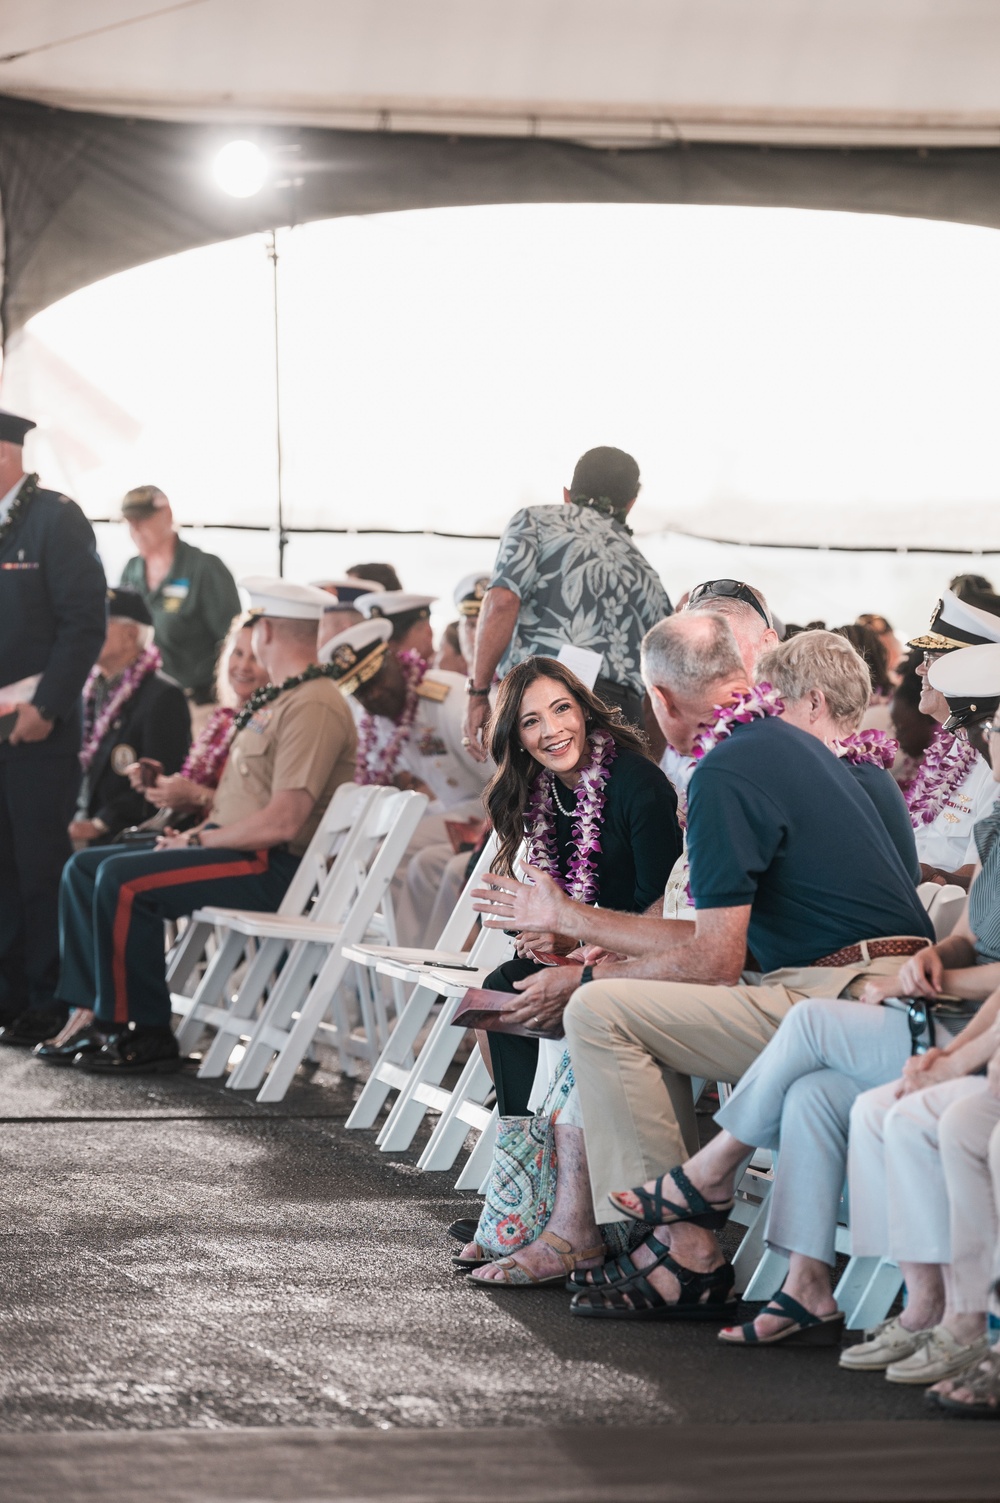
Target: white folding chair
{"type": "Point", "coordinates": [242, 934]}
{"type": "Point", "coordinates": [394, 1067]}
{"type": "Point", "coordinates": [312, 978]}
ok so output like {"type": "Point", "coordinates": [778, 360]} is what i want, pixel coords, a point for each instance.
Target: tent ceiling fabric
{"type": "Point", "coordinates": [808, 71]}
{"type": "Point", "coordinates": [87, 195]}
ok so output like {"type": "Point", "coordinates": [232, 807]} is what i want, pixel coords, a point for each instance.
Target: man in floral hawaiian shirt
{"type": "Point", "coordinates": [571, 574]}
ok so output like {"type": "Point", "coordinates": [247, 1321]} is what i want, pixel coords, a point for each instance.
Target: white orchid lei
{"type": "Point", "coordinates": [580, 882]}
{"type": "Point", "coordinates": [874, 747]}
{"type": "Point", "coordinates": [379, 766]}
{"type": "Point", "coordinates": [747, 705]}
{"type": "Point", "coordinates": [94, 731]}
{"type": "Point", "coordinates": [946, 765]}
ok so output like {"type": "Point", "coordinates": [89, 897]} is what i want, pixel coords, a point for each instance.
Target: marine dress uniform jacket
{"type": "Point", "coordinates": [155, 722]}
{"type": "Point", "coordinates": [52, 622]}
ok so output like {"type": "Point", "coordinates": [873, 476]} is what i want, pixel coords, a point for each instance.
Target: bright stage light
{"type": "Point", "coordinates": [240, 169]}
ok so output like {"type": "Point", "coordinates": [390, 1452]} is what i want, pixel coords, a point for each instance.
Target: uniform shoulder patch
{"type": "Point", "coordinates": [432, 689]}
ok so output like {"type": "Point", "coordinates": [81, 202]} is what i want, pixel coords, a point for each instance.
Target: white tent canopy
{"type": "Point", "coordinates": [818, 72]}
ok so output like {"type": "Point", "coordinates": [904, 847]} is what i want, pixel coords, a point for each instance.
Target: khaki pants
{"type": "Point", "coordinates": [636, 1044]}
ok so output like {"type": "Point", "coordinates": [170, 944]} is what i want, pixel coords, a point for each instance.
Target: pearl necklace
{"type": "Point", "coordinates": [559, 803]}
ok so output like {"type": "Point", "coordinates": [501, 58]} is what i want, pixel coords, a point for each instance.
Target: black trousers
{"type": "Point", "coordinates": [37, 800]}
{"type": "Point", "coordinates": [514, 1059]}
{"type": "Point", "coordinates": [112, 907]}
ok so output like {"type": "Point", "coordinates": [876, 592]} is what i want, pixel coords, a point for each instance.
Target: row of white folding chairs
{"type": "Point", "coordinates": [295, 969]}
{"type": "Point", "coordinates": [440, 978]}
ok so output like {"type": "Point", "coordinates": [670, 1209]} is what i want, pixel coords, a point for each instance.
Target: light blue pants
{"type": "Point", "coordinates": [797, 1097]}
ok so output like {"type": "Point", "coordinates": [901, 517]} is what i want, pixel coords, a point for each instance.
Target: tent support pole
{"type": "Point", "coordinates": [272, 252]}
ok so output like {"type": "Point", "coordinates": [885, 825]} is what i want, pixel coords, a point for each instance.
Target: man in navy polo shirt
{"type": "Point", "coordinates": [798, 893]}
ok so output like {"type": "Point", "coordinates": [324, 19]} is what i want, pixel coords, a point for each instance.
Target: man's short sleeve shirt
{"type": "Point", "coordinates": [304, 739]}
{"type": "Point", "coordinates": [580, 579]}
{"type": "Point", "coordinates": [777, 823]}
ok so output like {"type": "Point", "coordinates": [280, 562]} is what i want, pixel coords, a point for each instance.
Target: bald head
{"type": "Point", "coordinates": [690, 653]}
{"type": "Point", "coordinates": [690, 663]}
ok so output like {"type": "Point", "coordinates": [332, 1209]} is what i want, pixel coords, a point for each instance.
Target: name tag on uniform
{"type": "Point", "coordinates": [175, 593]}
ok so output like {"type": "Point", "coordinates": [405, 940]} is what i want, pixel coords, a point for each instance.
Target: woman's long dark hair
{"type": "Point", "coordinates": [509, 789]}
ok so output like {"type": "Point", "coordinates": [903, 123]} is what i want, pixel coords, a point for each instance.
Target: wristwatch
{"type": "Point", "coordinates": [586, 975]}
{"type": "Point", "coordinates": [194, 838]}
{"type": "Point", "coordinates": [470, 689]}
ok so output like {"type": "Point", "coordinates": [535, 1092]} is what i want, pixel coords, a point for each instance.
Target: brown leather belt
{"type": "Point", "coordinates": [875, 949]}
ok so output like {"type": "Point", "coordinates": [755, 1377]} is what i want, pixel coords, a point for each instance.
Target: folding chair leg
{"type": "Point", "coordinates": [236, 1023]}
{"type": "Point", "coordinates": [867, 1290]}
{"type": "Point", "coordinates": [300, 1036]}
{"type": "Point", "coordinates": [395, 1053]}
{"type": "Point", "coordinates": [767, 1277]}
{"type": "Point", "coordinates": [210, 989]}
{"type": "Point", "coordinates": [188, 955]}
{"type": "Point", "coordinates": [477, 1166]}
{"type": "Point", "coordinates": [445, 1142]}
{"type": "Point", "coordinates": [268, 1031]}
{"type": "Point", "coordinates": [408, 1111]}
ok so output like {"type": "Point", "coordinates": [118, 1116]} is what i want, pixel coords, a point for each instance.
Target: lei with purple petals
{"type": "Point", "coordinates": [580, 884]}
{"type": "Point", "coordinates": [207, 757]}
{"type": "Point", "coordinates": [873, 747]}
{"type": "Point", "coordinates": [94, 731]}
{"type": "Point", "coordinates": [946, 765]}
{"type": "Point", "coordinates": [376, 766]}
{"type": "Point", "coordinates": [747, 705]}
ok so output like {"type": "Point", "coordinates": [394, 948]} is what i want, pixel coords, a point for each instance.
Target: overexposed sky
{"type": "Point", "coordinates": [777, 373]}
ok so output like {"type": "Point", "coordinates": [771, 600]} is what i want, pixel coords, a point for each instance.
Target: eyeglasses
{"type": "Point", "coordinates": [728, 589]}
{"type": "Point", "coordinates": [922, 1030]}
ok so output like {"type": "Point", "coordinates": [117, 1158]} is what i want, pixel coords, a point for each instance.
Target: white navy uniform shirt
{"type": "Point", "coordinates": [434, 751]}
{"type": "Point", "coordinates": [947, 842]}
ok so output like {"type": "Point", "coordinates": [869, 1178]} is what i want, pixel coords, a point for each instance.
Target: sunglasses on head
{"type": "Point", "coordinates": [728, 589]}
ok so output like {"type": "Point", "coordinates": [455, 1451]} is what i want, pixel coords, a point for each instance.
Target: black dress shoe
{"type": "Point", "coordinates": [136, 1051]}
{"type": "Point", "coordinates": [34, 1028]}
{"type": "Point", "coordinates": [88, 1041]}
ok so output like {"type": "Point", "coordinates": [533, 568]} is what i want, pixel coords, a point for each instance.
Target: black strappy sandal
{"type": "Point", "coordinates": [636, 1299]}
{"type": "Point", "coordinates": [618, 1270]}
{"type": "Point", "coordinates": [464, 1231]}
{"type": "Point", "coordinates": [655, 1208]}
{"type": "Point", "coordinates": [808, 1330]}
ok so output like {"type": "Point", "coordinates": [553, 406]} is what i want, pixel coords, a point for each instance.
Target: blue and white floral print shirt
{"type": "Point", "coordinates": [580, 579]}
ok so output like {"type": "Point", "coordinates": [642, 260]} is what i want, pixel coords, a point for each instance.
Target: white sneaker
{"type": "Point", "coordinates": [938, 1356]}
{"type": "Point", "coordinates": [883, 1345]}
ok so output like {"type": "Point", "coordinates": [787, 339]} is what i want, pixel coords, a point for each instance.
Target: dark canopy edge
{"type": "Point", "coordinates": [85, 195]}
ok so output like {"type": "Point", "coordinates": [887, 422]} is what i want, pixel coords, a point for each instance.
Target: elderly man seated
{"type": "Point", "coordinates": [787, 860]}
{"type": "Point", "coordinates": [294, 746]}
{"type": "Point", "coordinates": [798, 1096]}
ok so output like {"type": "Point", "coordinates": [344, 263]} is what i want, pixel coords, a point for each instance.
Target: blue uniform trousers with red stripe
{"type": "Point", "coordinates": [112, 904]}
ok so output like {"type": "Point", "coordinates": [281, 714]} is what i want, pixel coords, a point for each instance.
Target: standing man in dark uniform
{"type": "Point", "coordinates": [52, 623]}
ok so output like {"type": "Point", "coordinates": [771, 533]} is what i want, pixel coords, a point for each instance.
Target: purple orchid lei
{"type": "Point", "coordinates": [376, 766]}
{"type": "Point", "coordinates": [874, 747]}
{"type": "Point", "coordinates": [749, 704]}
{"type": "Point", "coordinates": [94, 731]}
{"type": "Point", "coordinates": [946, 765]}
{"type": "Point", "coordinates": [580, 884]}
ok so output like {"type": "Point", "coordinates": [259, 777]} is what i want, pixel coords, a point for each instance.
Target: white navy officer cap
{"type": "Point", "coordinates": [345, 592]}
{"type": "Point", "coordinates": [956, 624]}
{"type": "Point", "coordinates": [281, 600]}
{"type": "Point", "coordinates": [393, 603]}
{"type": "Point", "coordinates": [969, 679]}
{"type": "Point", "coordinates": [357, 654]}
{"type": "Point", "coordinates": [470, 593]}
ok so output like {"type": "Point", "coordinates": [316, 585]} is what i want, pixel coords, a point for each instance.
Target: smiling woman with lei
{"type": "Point", "coordinates": [574, 786]}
